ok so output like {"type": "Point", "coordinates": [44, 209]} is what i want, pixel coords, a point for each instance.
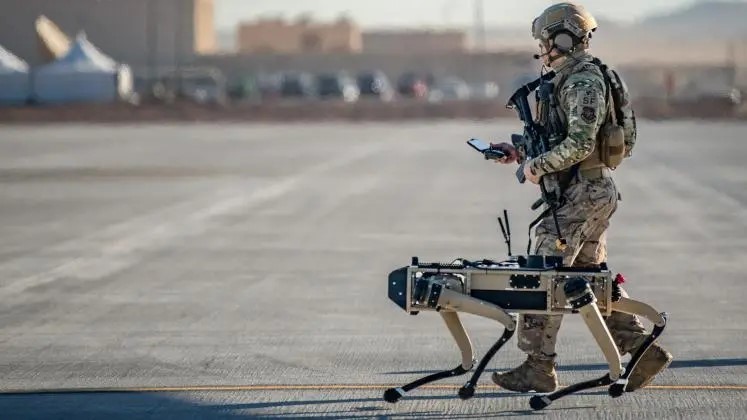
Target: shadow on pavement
{"type": "Point", "coordinates": [108, 405]}
{"type": "Point", "coordinates": [154, 405]}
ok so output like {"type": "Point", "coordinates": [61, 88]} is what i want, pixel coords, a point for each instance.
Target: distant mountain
{"type": "Point", "coordinates": [704, 19]}
{"type": "Point", "coordinates": [699, 33]}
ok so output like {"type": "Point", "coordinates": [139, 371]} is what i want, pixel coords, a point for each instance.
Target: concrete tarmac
{"type": "Point", "coordinates": [239, 271]}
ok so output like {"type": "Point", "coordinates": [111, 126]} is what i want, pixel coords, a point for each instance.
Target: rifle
{"type": "Point", "coordinates": [535, 142]}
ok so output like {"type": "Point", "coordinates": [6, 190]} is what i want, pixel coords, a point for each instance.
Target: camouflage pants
{"type": "Point", "coordinates": [584, 219]}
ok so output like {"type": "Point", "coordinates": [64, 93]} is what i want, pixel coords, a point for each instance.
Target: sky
{"type": "Point", "coordinates": [397, 13]}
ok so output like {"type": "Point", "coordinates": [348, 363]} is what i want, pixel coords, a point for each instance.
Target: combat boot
{"type": "Point", "coordinates": [535, 374]}
{"type": "Point", "coordinates": [653, 361]}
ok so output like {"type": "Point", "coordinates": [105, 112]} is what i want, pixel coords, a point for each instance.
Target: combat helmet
{"type": "Point", "coordinates": [564, 26]}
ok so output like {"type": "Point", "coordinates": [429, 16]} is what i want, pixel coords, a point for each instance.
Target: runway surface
{"type": "Point", "coordinates": [239, 271]}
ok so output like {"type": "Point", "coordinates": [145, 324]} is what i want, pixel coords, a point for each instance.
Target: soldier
{"type": "Point", "coordinates": [577, 163]}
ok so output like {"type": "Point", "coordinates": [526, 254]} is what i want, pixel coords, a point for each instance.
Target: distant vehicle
{"type": "Point", "coordinates": [712, 91]}
{"type": "Point", "coordinates": [244, 89]}
{"type": "Point", "coordinates": [201, 85]}
{"type": "Point", "coordinates": [485, 90]}
{"type": "Point", "coordinates": [736, 96]}
{"type": "Point", "coordinates": [268, 85]}
{"type": "Point", "coordinates": [450, 89]}
{"type": "Point", "coordinates": [375, 84]}
{"type": "Point", "coordinates": [413, 86]}
{"type": "Point", "coordinates": [204, 90]}
{"type": "Point", "coordinates": [297, 85]}
{"type": "Point", "coordinates": [337, 86]}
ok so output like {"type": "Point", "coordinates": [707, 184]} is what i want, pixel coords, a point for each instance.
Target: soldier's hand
{"type": "Point", "coordinates": [529, 175]}
{"type": "Point", "coordinates": [508, 149]}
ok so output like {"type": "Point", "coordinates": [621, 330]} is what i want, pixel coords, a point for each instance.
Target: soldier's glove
{"type": "Point", "coordinates": [511, 154]}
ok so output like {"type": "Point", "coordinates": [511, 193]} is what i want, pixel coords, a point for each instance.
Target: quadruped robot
{"type": "Point", "coordinates": [500, 290]}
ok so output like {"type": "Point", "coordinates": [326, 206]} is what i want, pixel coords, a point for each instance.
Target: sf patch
{"type": "Point", "coordinates": [589, 98]}
{"type": "Point", "coordinates": [589, 114]}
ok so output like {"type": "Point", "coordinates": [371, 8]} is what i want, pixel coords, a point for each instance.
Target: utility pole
{"type": "Point", "coordinates": [179, 32]}
{"type": "Point", "coordinates": [731, 63]}
{"type": "Point", "coordinates": [479, 28]}
{"type": "Point", "coordinates": [151, 17]}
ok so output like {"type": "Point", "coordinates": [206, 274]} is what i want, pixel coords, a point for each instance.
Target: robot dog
{"type": "Point", "coordinates": [501, 290]}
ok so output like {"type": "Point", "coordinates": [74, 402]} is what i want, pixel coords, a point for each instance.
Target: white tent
{"type": "Point", "coordinates": [84, 74]}
{"type": "Point", "coordinates": [14, 79]}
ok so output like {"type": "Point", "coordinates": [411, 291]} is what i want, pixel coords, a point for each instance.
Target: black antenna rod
{"type": "Point", "coordinates": [508, 229]}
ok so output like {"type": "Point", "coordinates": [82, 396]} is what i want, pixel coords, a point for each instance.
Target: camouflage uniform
{"type": "Point", "coordinates": [590, 199]}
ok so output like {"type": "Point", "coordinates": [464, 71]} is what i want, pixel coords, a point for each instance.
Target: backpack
{"type": "Point", "coordinates": [617, 135]}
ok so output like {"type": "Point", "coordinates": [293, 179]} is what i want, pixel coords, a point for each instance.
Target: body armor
{"type": "Point", "coordinates": [617, 134]}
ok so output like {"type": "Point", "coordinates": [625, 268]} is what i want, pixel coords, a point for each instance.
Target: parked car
{"type": "Point", "coordinates": [298, 86]}
{"type": "Point", "coordinates": [710, 91]}
{"type": "Point", "coordinates": [375, 84]}
{"type": "Point", "coordinates": [201, 85]}
{"type": "Point", "coordinates": [413, 86]}
{"type": "Point", "coordinates": [244, 89]}
{"type": "Point", "coordinates": [450, 89]}
{"type": "Point", "coordinates": [337, 86]}
{"type": "Point", "coordinates": [485, 90]}
{"type": "Point", "coordinates": [268, 85]}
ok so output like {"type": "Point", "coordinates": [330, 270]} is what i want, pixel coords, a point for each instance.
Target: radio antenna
{"type": "Point", "coordinates": [506, 230]}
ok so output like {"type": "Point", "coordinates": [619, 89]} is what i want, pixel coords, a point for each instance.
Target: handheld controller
{"type": "Point", "coordinates": [485, 149]}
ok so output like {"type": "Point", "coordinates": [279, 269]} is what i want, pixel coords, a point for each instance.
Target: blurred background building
{"type": "Point", "coordinates": [277, 36]}
{"type": "Point", "coordinates": [410, 40]}
{"type": "Point", "coordinates": [304, 35]}
{"type": "Point", "coordinates": [144, 33]}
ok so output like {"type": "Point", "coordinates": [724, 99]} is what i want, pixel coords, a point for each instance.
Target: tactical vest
{"type": "Point", "coordinates": [617, 134]}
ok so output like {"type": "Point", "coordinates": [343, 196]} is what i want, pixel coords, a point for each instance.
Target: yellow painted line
{"type": "Point", "coordinates": [700, 387]}
{"type": "Point", "coordinates": [347, 387]}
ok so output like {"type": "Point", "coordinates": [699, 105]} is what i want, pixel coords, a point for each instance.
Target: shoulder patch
{"type": "Point", "coordinates": [589, 98]}
{"type": "Point", "coordinates": [589, 114]}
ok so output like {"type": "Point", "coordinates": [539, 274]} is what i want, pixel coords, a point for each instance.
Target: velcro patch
{"type": "Point", "coordinates": [589, 98]}
{"type": "Point", "coordinates": [589, 114]}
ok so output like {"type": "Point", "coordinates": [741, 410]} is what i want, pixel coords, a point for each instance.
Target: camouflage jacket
{"type": "Point", "coordinates": [582, 98]}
